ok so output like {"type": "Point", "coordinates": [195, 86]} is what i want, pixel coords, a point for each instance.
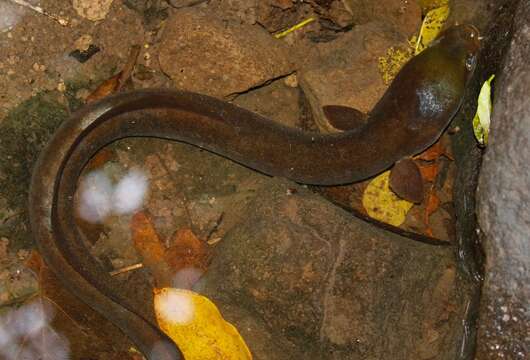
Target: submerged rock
{"type": "Point", "coordinates": [322, 284]}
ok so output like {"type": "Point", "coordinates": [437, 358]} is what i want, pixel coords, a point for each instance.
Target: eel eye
{"type": "Point", "coordinates": [470, 62]}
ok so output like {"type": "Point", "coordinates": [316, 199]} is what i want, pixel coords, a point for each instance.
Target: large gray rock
{"type": "Point", "coordinates": [504, 207]}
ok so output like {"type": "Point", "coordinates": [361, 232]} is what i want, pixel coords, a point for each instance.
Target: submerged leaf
{"type": "Point", "coordinates": [433, 202]}
{"type": "Point", "coordinates": [195, 324]}
{"type": "Point", "coordinates": [148, 244]}
{"type": "Point", "coordinates": [429, 171]}
{"type": "Point", "coordinates": [188, 258]}
{"type": "Point", "coordinates": [382, 204]}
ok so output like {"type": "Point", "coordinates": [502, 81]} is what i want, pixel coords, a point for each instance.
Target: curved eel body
{"type": "Point", "coordinates": [411, 116]}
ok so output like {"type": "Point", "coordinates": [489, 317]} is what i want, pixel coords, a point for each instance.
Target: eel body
{"type": "Point", "coordinates": [411, 115]}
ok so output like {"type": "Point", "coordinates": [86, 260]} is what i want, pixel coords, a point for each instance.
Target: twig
{"type": "Point", "coordinates": [129, 66]}
{"type": "Point", "coordinates": [295, 27]}
{"type": "Point", "coordinates": [126, 269]}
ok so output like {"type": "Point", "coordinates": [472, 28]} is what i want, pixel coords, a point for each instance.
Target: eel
{"type": "Point", "coordinates": [410, 116]}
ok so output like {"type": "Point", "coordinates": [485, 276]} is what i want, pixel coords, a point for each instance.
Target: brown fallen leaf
{"type": "Point", "coordinates": [428, 171]}
{"type": "Point", "coordinates": [108, 87]}
{"type": "Point", "coordinates": [433, 202]}
{"type": "Point", "coordinates": [188, 258]}
{"type": "Point", "coordinates": [116, 82]}
{"type": "Point", "coordinates": [187, 250]}
{"type": "Point", "coordinates": [436, 150]}
{"type": "Point", "coordinates": [148, 244]}
{"type": "Point", "coordinates": [180, 265]}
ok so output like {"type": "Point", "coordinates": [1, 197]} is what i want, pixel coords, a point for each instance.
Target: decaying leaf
{"type": "Point", "coordinates": [433, 202]}
{"type": "Point", "coordinates": [148, 244]}
{"type": "Point", "coordinates": [180, 265]}
{"type": "Point", "coordinates": [382, 204]}
{"type": "Point", "coordinates": [117, 81]}
{"type": "Point", "coordinates": [106, 88]}
{"type": "Point", "coordinates": [481, 121]}
{"type": "Point", "coordinates": [436, 150]}
{"type": "Point", "coordinates": [188, 258]}
{"type": "Point", "coordinates": [195, 324]}
{"type": "Point", "coordinates": [429, 171]}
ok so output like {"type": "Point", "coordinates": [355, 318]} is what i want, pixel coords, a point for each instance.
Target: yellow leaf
{"type": "Point", "coordinates": [431, 26]}
{"type": "Point", "coordinates": [382, 204]}
{"type": "Point", "coordinates": [391, 63]}
{"type": "Point", "coordinates": [195, 324]}
{"type": "Point", "coordinates": [481, 121]}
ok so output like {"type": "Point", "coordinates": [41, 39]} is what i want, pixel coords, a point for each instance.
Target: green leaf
{"type": "Point", "coordinates": [481, 121]}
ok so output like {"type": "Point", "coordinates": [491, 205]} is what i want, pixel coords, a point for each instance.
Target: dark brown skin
{"type": "Point", "coordinates": [411, 115]}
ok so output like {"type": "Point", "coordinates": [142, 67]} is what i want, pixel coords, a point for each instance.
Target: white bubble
{"type": "Point", "coordinates": [10, 351]}
{"type": "Point", "coordinates": [31, 319]}
{"type": "Point", "coordinates": [5, 334]}
{"type": "Point", "coordinates": [27, 353]}
{"type": "Point", "coordinates": [176, 306]}
{"type": "Point", "coordinates": [130, 192]}
{"type": "Point", "coordinates": [25, 333]}
{"type": "Point", "coordinates": [50, 345]}
{"type": "Point", "coordinates": [95, 196]}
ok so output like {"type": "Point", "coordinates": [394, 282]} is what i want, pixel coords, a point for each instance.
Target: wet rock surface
{"type": "Point", "coordinates": [503, 206]}
{"type": "Point", "coordinates": [334, 286]}
{"type": "Point", "coordinates": [203, 54]}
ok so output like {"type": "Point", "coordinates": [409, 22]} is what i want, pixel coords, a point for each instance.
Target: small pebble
{"type": "Point", "coordinates": [83, 42]}
{"type": "Point", "coordinates": [93, 10]}
{"type": "Point", "coordinates": [291, 81]}
{"type": "Point", "coordinates": [39, 67]}
{"type": "Point", "coordinates": [61, 86]}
